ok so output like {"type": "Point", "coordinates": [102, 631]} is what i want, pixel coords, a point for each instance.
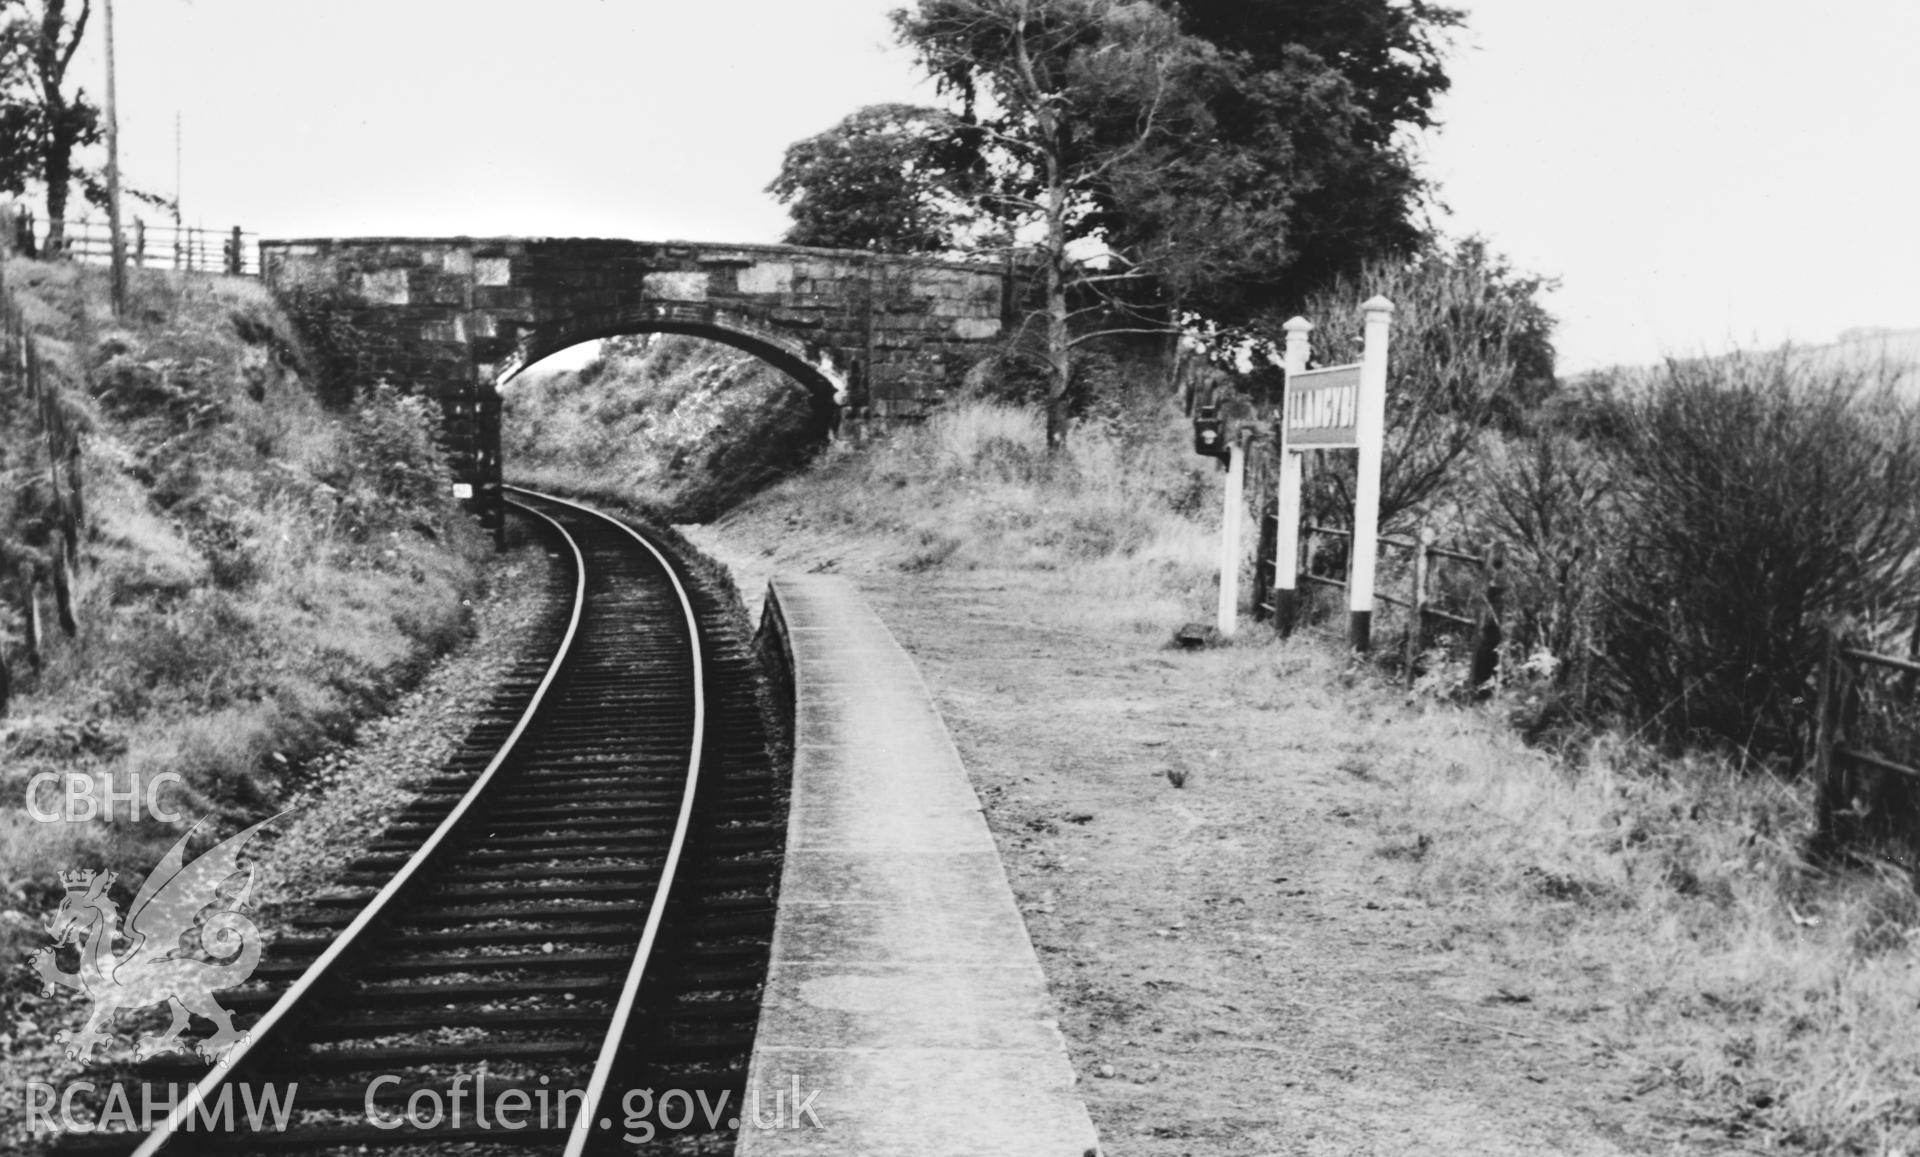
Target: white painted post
{"type": "Point", "coordinates": [1371, 433]}
{"type": "Point", "coordinates": [1286, 540]}
{"type": "Point", "coordinates": [1230, 535]}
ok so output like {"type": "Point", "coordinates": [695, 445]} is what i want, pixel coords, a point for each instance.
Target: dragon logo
{"type": "Point", "coordinates": [163, 925]}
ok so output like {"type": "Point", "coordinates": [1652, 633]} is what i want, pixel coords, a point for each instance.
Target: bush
{"type": "Point", "coordinates": [1554, 502]}
{"type": "Point", "coordinates": [1469, 350]}
{"type": "Point", "coordinates": [396, 448]}
{"type": "Point", "coordinates": [1766, 498]}
{"type": "Point", "coordinates": [335, 349]}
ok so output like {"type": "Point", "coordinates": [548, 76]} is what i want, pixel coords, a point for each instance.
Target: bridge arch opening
{"type": "Point", "coordinates": [814, 370]}
{"type": "Point", "coordinates": [685, 417]}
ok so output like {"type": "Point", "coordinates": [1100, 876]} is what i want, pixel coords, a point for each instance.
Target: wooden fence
{"type": "Point", "coordinates": [1481, 620]}
{"type": "Point", "coordinates": [1865, 724]}
{"type": "Point", "coordinates": [234, 251]}
{"type": "Point", "coordinates": [42, 484]}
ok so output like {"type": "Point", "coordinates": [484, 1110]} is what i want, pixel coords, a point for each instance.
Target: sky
{"type": "Point", "coordinates": [1698, 174]}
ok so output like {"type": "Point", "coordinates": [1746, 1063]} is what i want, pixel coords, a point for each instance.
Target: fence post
{"type": "Point", "coordinates": [76, 488]}
{"type": "Point", "coordinates": [1235, 510]}
{"type": "Point", "coordinates": [63, 594]}
{"type": "Point", "coordinates": [233, 253]}
{"type": "Point", "coordinates": [1908, 682]}
{"type": "Point", "coordinates": [1486, 635]}
{"type": "Point", "coordinates": [1310, 552]}
{"type": "Point", "coordinates": [139, 242]}
{"type": "Point", "coordinates": [1832, 791]}
{"type": "Point", "coordinates": [30, 611]}
{"type": "Point", "coordinates": [1263, 564]}
{"type": "Point", "coordinates": [1417, 627]}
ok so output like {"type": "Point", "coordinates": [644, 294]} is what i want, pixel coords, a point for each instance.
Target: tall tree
{"type": "Point", "coordinates": [883, 179]}
{"type": "Point", "coordinates": [1342, 83]}
{"type": "Point", "coordinates": [1157, 160]}
{"type": "Point", "coordinates": [41, 124]}
{"type": "Point", "coordinates": [1064, 107]}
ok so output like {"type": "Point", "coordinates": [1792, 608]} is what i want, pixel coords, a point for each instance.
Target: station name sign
{"type": "Point", "coordinates": [1323, 408]}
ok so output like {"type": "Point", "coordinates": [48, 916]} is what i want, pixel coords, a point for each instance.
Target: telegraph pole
{"type": "Point", "coordinates": [119, 240]}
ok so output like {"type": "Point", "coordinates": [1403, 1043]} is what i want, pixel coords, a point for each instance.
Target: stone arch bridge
{"type": "Point", "coordinates": [883, 334]}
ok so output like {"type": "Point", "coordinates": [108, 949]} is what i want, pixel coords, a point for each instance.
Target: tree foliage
{"type": "Point", "coordinates": [42, 124]}
{"type": "Point", "coordinates": [881, 179]}
{"type": "Point", "coordinates": [1062, 104]}
{"type": "Point", "coordinates": [1470, 349]}
{"type": "Point", "coordinates": [1214, 156]}
{"type": "Point", "coordinates": [1327, 92]}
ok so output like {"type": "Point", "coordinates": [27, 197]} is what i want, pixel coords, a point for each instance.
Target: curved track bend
{"type": "Point", "coordinates": [577, 908]}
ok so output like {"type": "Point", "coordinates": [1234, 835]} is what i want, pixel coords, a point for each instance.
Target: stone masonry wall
{"type": "Point", "coordinates": [457, 316]}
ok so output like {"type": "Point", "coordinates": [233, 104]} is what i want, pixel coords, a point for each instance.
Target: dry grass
{"type": "Point", "coordinates": [1657, 909]}
{"type": "Point", "coordinates": [1129, 526]}
{"type": "Point", "coordinates": [1665, 911]}
{"type": "Point", "coordinates": [1661, 909]}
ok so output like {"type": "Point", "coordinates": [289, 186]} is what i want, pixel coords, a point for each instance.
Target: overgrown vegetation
{"type": "Point", "coordinates": [257, 571]}
{"type": "Point", "coordinates": [1471, 351]}
{"type": "Point", "coordinates": [1659, 910]}
{"type": "Point", "coordinates": [1678, 540]}
{"type": "Point", "coordinates": [1683, 538]}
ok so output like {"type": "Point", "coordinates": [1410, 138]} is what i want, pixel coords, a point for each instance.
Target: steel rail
{"type": "Point", "coordinates": [582, 1131]}
{"type": "Point", "coordinates": [210, 1084]}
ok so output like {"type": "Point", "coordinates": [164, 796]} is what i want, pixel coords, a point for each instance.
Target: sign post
{"type": "Point", "coordinates": [1336, 408]}
{"type": "Point", "coordinates": [1371, 437]}
{"type": "Point", "coordinates": [1286, 548]}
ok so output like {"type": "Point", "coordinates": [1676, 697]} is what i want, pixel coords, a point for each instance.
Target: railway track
{"type": "Point", "coordinates": [559, 945]}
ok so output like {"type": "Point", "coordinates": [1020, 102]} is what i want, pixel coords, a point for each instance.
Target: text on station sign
{"type": "Point", "coordinates": [1323, 407]}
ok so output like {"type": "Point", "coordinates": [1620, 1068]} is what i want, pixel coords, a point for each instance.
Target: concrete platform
{"type": "Point", "coordinates": [904, 995]}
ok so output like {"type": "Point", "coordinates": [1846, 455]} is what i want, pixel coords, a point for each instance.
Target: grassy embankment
{"type": "Point", "coordinates": [256, 572]}
{"type": "Point", "coordinates": [1665, 899]}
